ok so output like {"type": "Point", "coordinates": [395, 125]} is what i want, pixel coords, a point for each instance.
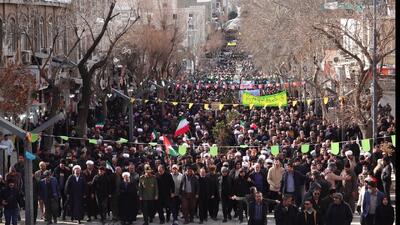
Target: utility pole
{"type": "Point", "coordinates": [374, 84]}
{"type": "Point", "coordinates": [130, 111]}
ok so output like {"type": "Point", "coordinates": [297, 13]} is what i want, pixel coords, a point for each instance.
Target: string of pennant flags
{"type": "Point", "coordinates": [213, 149]}
{"type": "Point", "coordinates": [220, 106]}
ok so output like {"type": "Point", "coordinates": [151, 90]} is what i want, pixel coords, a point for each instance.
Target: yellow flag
{"type": "Point", "coordinates": [206, 106]}
{"type": "Point", "coordinates": [145, 101]}
{"type": "Point", "coordinates": [309, 101]}
{"type": "Point", "coordinates": [251, 106]}
{"type": "Point", "coordinates": [221, 106]}
{"type": "Point", "coordinates": [190, 105]}
{"type": "Point", "coordinates": [326, 99]}
{"type": "Point", "coordinates": [159, 100]}
{"type": "Point", "coordinates": [174, 103]}
{"type": "Point", "coordinates": [132, 100]}
{"type": "Point", "coordinates": [234, 105]}
{"type": "Point", "coordinates": [294, 103]}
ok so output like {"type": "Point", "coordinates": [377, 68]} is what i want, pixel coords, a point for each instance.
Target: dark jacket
{"type": "Point", "coordinates": [225, 187]}
{"type": "Point", "coordinates": [101, 186]}
{"type": "Point", "coordinates": [61, 175]}
{"type": "Point", "coordinates": [166, 186]}
{"type": "Point", "coordinates": [241, 187]}
{"type": "Point", "coordinates": [285, 216]}
{"type": "Point", "coordinates": [304, 218]}
{"type": "Point", "coordinates": [339, 214]}
{"type": "Point", "coordinates": [194, 183]}
{"type": "Point", "coordinates": [12, 196]}
{"type": "Point", "coordinates": [298, 180]}
{"type": "Point", "coordinates": [44, 192]}
{"type": "Point", "coordinates": [265, 188]}
{"type": "Point", "coordinates": [204, 188]}
{"type": "Point", "coordinates": [384, 214]}
{"type": "Point", "coordinates": [213, 178]}
{"type": "Point", "coordinates": [386, 175]}
{"type": "Point", "coordinates": [252, 211]}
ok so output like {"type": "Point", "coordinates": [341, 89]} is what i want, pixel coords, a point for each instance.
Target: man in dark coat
{"type": "Point", "coordinates": [214, 194]}
{"type": "Point", "coordinates": [11, 198]}
{"type": "Point", "coordinates": [89, 174]}
{"type": "Point", "coordinates": [226, 184]}
{"type": "Point", "coordinates": [127, 196]}
{"type": "Point", "coordinates": [61, 173]}
{"type": "Point", "coordinates": [166, 187]}
{"type": "Point", "coordinates": [75, 189]}
{"type": "Point", "coordinates": [386, 176]}
{"type": "Point", "coordinates": [338, 213]}
{"type": "Point", "coordinates": [241, 188]}
{"type": "Point", "coordinates": [190, 193]}
{"type": "Point", "coordinates": [291, 179]}
{"type": "Point", "coordinates": [285, 213]}
{"type": "Point", "coordinates": [325, 203]}
{"type": "Point", "coordinates": [49, 192]}
{"type": "Point", "coordinates": [204, 195]}
{"type": "Point", "coordinates": [258, 211]}
{"type": "Point", "coordinates": [102, 191]}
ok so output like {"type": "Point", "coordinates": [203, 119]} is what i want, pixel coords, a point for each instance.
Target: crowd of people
{"type": "Point", "coordinates": [78, 180]}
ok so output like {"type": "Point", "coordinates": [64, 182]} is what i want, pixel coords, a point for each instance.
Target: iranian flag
{"type": "Point", "coordinates": [153, 135]}
{"type": "Point", "coordinates": [183, 127]}
{"type": "Point", "coordinates": [109, 166]}
{"type": "Point", "coordinates": [168, 147]}
{"type": "Point", "coordinates": [99, 125]}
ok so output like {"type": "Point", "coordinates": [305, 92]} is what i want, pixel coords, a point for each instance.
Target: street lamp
{"type": "Point", "coordinates": [374, 84]}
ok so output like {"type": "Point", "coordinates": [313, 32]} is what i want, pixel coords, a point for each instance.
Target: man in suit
{"type": "Point", "coordinates": [258, 211]}
{"type": "Point", "coordinates": [49, 192]}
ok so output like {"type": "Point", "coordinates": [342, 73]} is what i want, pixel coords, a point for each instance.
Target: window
{"type": "Point", "coordinates": [174, 16]}
{"type": "Point", "coordinates": [40, 34]}
{"type": "Point", "coordinates": [11, 36]}
{"type": "Point", "coordinates": [50, 30]}
{"type": "Point", "coordinates": [190, 15]}
{"type": "Point", "coordinates": [164, 5]}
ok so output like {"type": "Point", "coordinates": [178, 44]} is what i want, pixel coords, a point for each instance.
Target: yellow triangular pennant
{"type": "Point", "coordinates": [206, 106]}
{"type": "Point", "coordinates": [251, 106]}
{"type": "Point", "coordinates": [174, 103]}
{"type": "Point", "coordinates": [294, 103]}
{"type": "Point", "coordinates": [190, 105]}
{"type": "Point", "coordinates": [234, 105]}
{"type": "Point", "coordinates": [309, 101]}
{"type": "Point", "coordinates": [145, 101]}
{"type": "Point", "coordinates": [221, 106]}
{"type": "Point", "coordinates": [132, 100]}
{"type": "Point", "coordinates": [326, 99]}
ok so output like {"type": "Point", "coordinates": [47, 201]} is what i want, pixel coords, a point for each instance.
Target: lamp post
{"type": "Point", "coordinates": [374, 82]}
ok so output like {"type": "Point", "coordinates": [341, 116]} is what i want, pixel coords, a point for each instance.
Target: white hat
{"type": "Point", "coordinates": [76, 167]}
{"type": "Point", "coordinates": [245, 164]}
{"type": "Point", "coordinates": [261, 157]}
{"type": "Point", "coordinates": [125, 155]}
{"type": "Point", "coordinates": [349, 152]}
{"type": "Point", "coordinates": [367, 154]}
{"type": "Point", "coordinates": [161, 138]}
{"type": "Point", "coordinates": [246, 158]}
{"type": "Point", "coordinates": [238, 154]}
{"type": "Point", "coordinates": [269, 160]}
{"type": "Point", "coordinates": [250, 131]}
{"type": "Point", "coordinates": [313, 153]}
{"type": "Point", "coordinates": [236, 132]}
{"type": "Point", "coordinates": [89, 162]}
{"type": "Point", "coordinates": [198, 127]}
{"type": "Point", "coordinates": [126, 174]}
{"type": "Point", "coordinates": [206, 155]}
{"type": "Point", "coordinates": [140, 130]}
{"type": "Point", "coordinates": [264, 152]}
{"type": "Point", "coordinates": [237, 125]}
{"type": "Point", "coordinates": [109, 147]}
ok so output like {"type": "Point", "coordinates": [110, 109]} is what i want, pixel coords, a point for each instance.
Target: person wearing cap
{"type": "Point", "coordinates": [339, 212]}
{"type": "Point", "coordinates": [127, 199]}
{"type": "Point", "coordinates": [148, 194]}
{"type": "Point", "coordinates": [350, 159]}
{"type": "Point", "coordinates": [349, 186]}
{"type": "Point", "coordinates": [368, 202]}
{"type": "Point", "coordinates": [75, 189]}
{"type": "Point", "coordinates": [101, 192]}
{"type": "Point", "coordinates": [61, 173]}
{"type": "Point", "coordinates": [190, 193]}
{"type": "Point", "coordinates": [11, 199]}
{"type": "Point", "coordinates": [89, 173]}
{"type": "Point", "coordinates": [225, 190]}
{"type": "Point", "coordinates": [49, 192]}
{"type": "Point", "coordinates": [166, 187]}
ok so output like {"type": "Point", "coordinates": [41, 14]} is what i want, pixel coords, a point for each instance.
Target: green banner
{"type": "Point", "coordinates": [275, 100]}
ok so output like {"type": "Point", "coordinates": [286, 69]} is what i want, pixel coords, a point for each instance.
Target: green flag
{"type": "Point", "coordinates": [35, 137]}
{"type": "Point", "coordinates": [93, 141]}
{"type": "Point", "coordinates": [244, 146]}
{"type": "Point", "coordinates": [214, 151]}
{"type": "Point", "coordinates": [394, 140]}
{"type": "Point", "coordinates": [65, 138]}
{"type": "Point", "coordinates": [122, 141]}
{"type": "Point", "coordinates": [335, 148]}
{"type": "Point", "coordinates": [182, 149]}
{"type": "Point", "coordinates": [366, 145]}
{"type": "Point", "coordinates": [275, 150]}
{"type": "Point", "coordinates": [305, 148]}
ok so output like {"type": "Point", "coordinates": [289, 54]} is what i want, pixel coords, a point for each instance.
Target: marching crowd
{"type": "Point", "coordinates": [81, 181]}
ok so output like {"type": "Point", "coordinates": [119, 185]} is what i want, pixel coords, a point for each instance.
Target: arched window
{"type": "Point", "coordinates": [41, 41]}
{"type": "Point", "coordinates": [11, 36]}
{"type": "Point", "coordinates": [50, 32]}
{"type": "Point", "coordinates": [24, 34]}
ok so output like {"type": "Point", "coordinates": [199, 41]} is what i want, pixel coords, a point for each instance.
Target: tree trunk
{"type": "Point", "coordinates": [55, 106]}
{"type": "Point", "coordinates": [105, 108]}
{"type": "Point", "coordinates": [366, 129]}
{"type": "Point", "coordinates": [83, 107]}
